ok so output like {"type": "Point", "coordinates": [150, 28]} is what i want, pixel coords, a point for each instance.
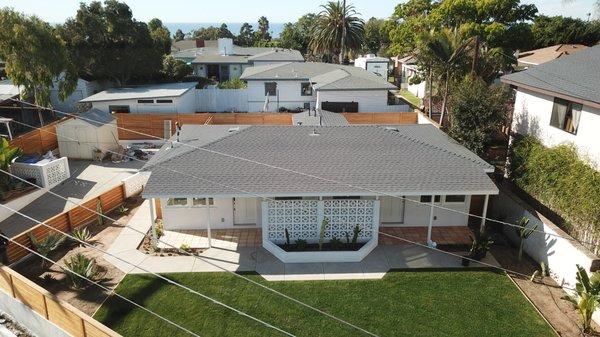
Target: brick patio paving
{"type": "Point", "coordinates": [252, 237]}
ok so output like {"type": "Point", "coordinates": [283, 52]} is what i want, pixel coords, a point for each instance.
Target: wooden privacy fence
{"type": "Point", "coordinates": [154, 124]}
{"type": "Point", "coordinates": [38, 141]}
{"type": "Point", "coordinates": [62, 314]}
{"type": "Point", "coordinates": [382, 118]}
{"type": "Point", "coordinates": [67, 221]}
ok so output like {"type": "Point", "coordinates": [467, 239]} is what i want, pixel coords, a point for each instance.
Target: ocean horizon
{"type": "Point", "coordinates": [275, 28]}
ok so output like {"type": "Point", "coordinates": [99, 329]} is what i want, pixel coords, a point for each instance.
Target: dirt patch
{"type": "Point", "coordinates": [544, 292]}
{"type": "Point", "coordinates": [55, 280]}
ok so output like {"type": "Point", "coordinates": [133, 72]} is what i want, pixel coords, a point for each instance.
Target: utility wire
{"type": "Point", "coordinates": [191, 254]}
{"type": "Point", "coordinates": [206, 297]}
{"type": "Point", "coordinates": [102, 287]}
{"type": "Point", "coordinates": [327, 180]}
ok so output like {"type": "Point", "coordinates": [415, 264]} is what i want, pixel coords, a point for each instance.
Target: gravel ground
{"type": "Point", "coordinates": [14, 328]}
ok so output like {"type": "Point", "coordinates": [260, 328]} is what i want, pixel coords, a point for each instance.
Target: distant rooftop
{"type": "Point", "coordinates": [543, 55]}
{"type": "Point", "coordinates": [144, 91]}
{"type": "Point", "coordinates": [96, 117]}
{"type": "Point", "coordinates": [324, 76]}
{"type": "Point", "coordinates": [574, 76]}
{"type": "Point", "coordinates": [8, 90]}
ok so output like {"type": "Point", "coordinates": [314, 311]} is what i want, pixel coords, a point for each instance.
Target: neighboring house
{"type": "Point", "coordinates": [229, 180]}
{"type": "Point", "coordinates": [543, 55]}
{"type": "Point", "coordinates": [156, 98]}
{"type": "Point", "coordinates": [8, 91]}
{"type": "Point", "coordinates": [371, 62]}
{"type": "Point", "coordinates": [310, 85]}
{"type": "Point", "coordinates": [559, 102]}
{"type": "Point", "coordinates": [82, 90]}
{"type": "Point", "coordinates": [412, 76]}
{"type": "Point", "coordinates": [222, 60]}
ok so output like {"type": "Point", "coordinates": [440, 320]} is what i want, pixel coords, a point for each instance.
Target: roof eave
{"type": "Point", "coordinates": [551, 93]}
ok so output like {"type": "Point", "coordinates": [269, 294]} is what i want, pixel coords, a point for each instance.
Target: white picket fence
{"type": "Point", "coordinates": [221, 100]}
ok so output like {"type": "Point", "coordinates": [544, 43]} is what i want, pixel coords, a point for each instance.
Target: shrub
{"type": "Point", "coordinates": [559, 179]}
{"type": "Point", "coordinates": [185, 247]}
{"type": "Point", "coordinates": [301, 244]}
{"type": "Point", "coordinates": [159, 228]}
{"type": "Point", "coordinates": [45, 246]}
{"type": "Point", "coordinates": [82, 234]}
{"type": "Point", "coordinates": [356, 232]}
{"type": "Point", "coordinates": [122, 210]}
{"type": "Point", "coordinates": [336, 244]}
{"type": "Point", "coordinates": [80, 268]}
{"type": "Point", "coordinates": [234, 83]}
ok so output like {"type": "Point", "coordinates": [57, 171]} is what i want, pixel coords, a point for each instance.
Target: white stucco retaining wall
{"type": "Point", "coordinates": [560, 255]}
{"type": "Point", "coordinates": [28, 318]}
{"type": "Point", "coordinates": [532, 115]}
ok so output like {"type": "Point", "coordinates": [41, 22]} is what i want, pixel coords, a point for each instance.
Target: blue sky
{"type": "Point", "coordinates": [244, 10]}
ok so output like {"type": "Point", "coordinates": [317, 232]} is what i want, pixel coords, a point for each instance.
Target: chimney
{"type": "Point", "coordinates": [199, 43]}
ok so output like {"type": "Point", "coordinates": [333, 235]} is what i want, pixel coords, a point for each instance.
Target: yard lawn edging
{"type": "Point", "coordinates": [426, 303]}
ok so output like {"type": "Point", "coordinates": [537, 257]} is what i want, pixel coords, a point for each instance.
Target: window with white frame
{"type": "Point", "coordinates": [455, 199]}
{"type": "Point", "coordinates": [177, 202]}
{"type": "Point", "coordinates": [566, 115]}
{"type": "Point", "coordinates": [202, 201]}
{"type": "Point", "coordinates": [306, 89]}
{"type": "Point", "coordinates": [427, 198]}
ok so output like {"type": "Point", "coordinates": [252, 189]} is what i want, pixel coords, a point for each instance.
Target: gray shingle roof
{"type": "Point", "coordinates": [325, 76]}
{"type": "Point", "coordinates": [145, 91]}
{"type": "Point", "coordinates": [323, 117]}
{"type": "Point", "coordinates": [574, 75]}
{"type": "Point", "coordinates": [415, 159]}
{"type": "Point", "coordinates": [211, 54]}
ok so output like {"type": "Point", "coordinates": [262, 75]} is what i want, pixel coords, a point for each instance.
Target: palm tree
{"type": "Point", "coordinates": [334, 24]}
{"type": "Point", "coordinates": [445, 51]}
{"type": "Point", "coordinates": [586, 297]}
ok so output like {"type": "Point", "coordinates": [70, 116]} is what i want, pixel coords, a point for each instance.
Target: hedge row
{"type": "Point", "coordinates": [559, 179]}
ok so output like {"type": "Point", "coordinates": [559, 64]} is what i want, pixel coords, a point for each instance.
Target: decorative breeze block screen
{"type": "Point", "coordinates": [303, 218]}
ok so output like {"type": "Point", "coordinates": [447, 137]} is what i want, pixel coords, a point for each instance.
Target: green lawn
{"type": "Point", "coordinates": [410, 98]}
{"type": "Point", "coordinates": [425, 303]}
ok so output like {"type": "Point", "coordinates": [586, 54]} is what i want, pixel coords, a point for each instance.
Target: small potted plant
{"type": "Point", "coordinates": [479, 248]}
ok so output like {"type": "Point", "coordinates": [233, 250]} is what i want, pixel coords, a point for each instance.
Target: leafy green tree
{"type": "Point", "coordinates": [179, 35]}
{"type": "Point", "coordinates": [106, 43]}
{"type": "Point", "coordinates": [161, 35]}
{"type": "Point", "coordinates": [35, 56]}
{"type": "Point", "coordinates": [224, 32]}
{"type": "Point", "coordinates": [297, 35]}
{"type": "Point", "coordinates": [246, 36]}
{"type": "Point", "coordinates": [406, 23]}
{"type": "Point", "coordinates": [552, 30]}
{"type": "Point", "coordinates": [7, 155]}
{"type": "Point", "coordinates": [262, 36]}
{"type": "Point", "coordinates": [376, 37]}
{"type": "Point", "coordinates": [586, 297]}
{"type": "Point", "coordinates": [234, 83]}
{"type": "Point", "coordinates": [174, 70]}
{"type": "Point", "coordinates": [478, 110]}
{"type": "Point", "coordinates": [445, 54]}
{"type": "Point", "coordinates": [329, 27]}
{"type": "Point", "coordinates": [207, 33]}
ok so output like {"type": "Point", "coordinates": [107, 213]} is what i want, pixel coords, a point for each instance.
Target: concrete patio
{"type": "Point", "coordinates": [232, 256]}
{"type": "Point", "coordinates": [87, 179]}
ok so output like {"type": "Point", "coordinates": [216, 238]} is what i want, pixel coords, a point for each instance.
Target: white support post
{"type": "Point", "coordinates": [484, 213]}
{"type": "Point", "coordinates": [430, 242]}
{"type": "Point", "coordinates": [153, 222]}
{"type": "Point", "coordinates": [209, 234]}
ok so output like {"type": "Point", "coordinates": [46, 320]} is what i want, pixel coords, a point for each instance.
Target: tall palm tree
{"type": "Point", "coordinates": [445, 52]}
{"type": "Point", "coordinates": [335, 24]}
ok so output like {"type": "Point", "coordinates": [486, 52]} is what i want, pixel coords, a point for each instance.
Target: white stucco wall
{"type": "Point", "coordinates": [368, 100]}
{"type": "Point", "coordinates": [185, 103]}
{"type": "Point", "coordinates": [222, 214]}
{"type": "Point", "coordinates": [532, 116]}
{"type": "Point", "coordinates": [289, 96]}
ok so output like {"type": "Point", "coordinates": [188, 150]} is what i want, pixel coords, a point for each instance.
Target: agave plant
{"type": "Point", "coordinates": [523, 232]}
{"type": "Point", "coordinates": [45, 246]}
{"type": "Point", "coordinates": [586, 297]}
{"type": "Point", "coordinates": [79, 269]}
{"type": "Point", "coordinates": [82, 235]}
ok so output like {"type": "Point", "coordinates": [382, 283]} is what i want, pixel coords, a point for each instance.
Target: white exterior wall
{"type": "Point", "coordinates": [185, 103]}
{"type": "Point", "coordinates": [532, 117]}
{"type": "Point", "coordinates": [289, 96]}
{"type": "Point", "coordinates": [221, 214]}
{"type": "Point", "coordinates": [83, 90]}
{"type": "Point", "coordinates": [368, 100]}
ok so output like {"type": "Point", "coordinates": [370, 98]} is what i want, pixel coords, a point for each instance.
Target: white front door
{"type": "Point", "coordinates": [392, 210]}
{"type": "Point", "coordinates": [244, 211]}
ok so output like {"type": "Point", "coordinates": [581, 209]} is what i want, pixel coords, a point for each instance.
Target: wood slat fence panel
{"type": "Point", "coordinates": [62, 314]}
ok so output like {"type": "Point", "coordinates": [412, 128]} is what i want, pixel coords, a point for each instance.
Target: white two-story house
{"type": "Point", "coordinates": [559, 102]}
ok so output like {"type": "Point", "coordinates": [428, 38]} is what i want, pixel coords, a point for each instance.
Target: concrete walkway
{"type": "Point", "coordinates": [227, 255]}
